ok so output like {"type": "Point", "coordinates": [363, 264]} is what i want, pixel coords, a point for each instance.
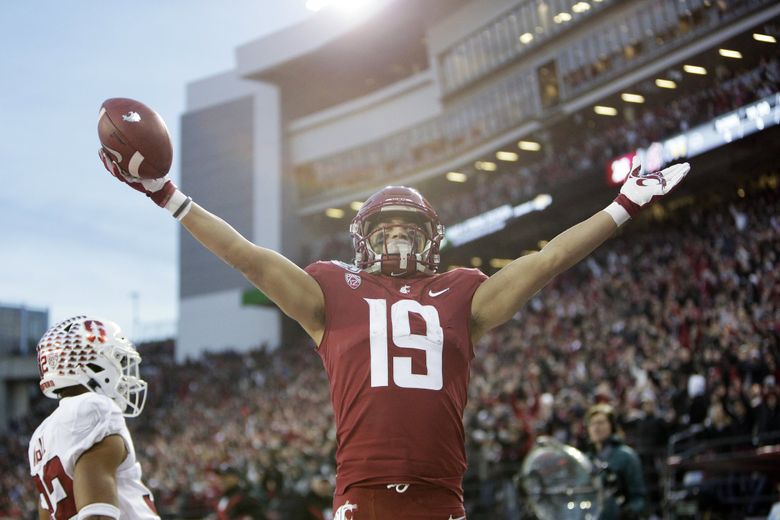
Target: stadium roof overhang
{"type": "Point", "coordinates": [345, 61]}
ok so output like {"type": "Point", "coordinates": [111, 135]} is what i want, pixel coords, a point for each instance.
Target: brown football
{"type": "Point", "coordinates": [136, 137]}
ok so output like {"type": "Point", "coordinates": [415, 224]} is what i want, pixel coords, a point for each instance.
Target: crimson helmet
{"type": "Point", "coordinates": [418, 225]}
{"type": "Point", "coordinates": [95, 354]}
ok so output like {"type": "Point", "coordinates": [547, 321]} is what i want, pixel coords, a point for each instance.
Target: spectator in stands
{"type": "Point", "coordinates": [319, 499]}
{"type": "Point", "coordinates": [236, 500]}
{"type": "Point", "coordinates": [282, 501]}
{"type": "Point", "coordinates": [774, 513]}
{"type": "Point", "coordinates": [769, 415]}
{"type": "Point", "coordinates": [625, 493]}
{"type": "Point", "coordinates": [652, 433]}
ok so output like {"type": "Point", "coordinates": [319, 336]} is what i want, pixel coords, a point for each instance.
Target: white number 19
{"type": "Point", "coordinates": [432, 343]}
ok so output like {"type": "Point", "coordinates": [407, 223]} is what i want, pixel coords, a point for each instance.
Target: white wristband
{"type": "Point", "coordinates": [618, 213]}
{"type": "Point", "coordinates": [179, 205]}
{"type": "Point", "coordinates": [101, 509]}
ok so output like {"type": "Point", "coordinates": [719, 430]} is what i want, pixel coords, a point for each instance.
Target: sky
{"type": "Point", "coordinates": [73, 240]}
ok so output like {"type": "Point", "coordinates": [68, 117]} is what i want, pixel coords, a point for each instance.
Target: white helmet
{"type": "Point", "coordinates": [95, 354]}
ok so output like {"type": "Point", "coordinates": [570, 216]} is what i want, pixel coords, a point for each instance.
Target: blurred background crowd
{"type": "Point", "coordinates": [579, 151]}
{"type": "Point", "coordinates": [676, 325]}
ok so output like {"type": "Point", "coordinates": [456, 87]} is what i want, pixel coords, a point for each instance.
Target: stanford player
{"type": "Point", "coordinates": [82, 458]}
{"type": "Point", "coordinates": [396, 338]}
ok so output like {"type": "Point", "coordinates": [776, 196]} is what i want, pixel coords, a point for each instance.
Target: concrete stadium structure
{"type": "Point", "coordinates": [319, 115]}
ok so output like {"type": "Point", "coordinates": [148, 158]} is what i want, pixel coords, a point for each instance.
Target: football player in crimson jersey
{"type": "Point", "coordinates": [395, 337]}
{"type": "Point", "coordinates": [82, 458]}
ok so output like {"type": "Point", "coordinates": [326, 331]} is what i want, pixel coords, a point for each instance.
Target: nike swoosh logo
{"type": "Point", "coordinates": [434, 295]}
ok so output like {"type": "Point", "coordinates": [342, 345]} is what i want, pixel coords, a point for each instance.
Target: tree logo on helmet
{"type": "Point", "coordinates": [96, 331]}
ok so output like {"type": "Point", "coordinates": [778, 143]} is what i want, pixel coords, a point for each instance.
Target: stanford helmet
{"type": "Point", "coordinates": [95, 354]}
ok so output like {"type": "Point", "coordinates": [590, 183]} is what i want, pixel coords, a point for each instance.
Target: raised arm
{"type": "Point", "coordinates": [290, 287]}
{"type": "Point", "coordinates": [502, 295]}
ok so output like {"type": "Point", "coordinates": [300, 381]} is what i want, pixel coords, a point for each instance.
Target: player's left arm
{"type": "Point", "coordinates": [94, 485]}
{"type": "Point", "coordinates": [502, 295]}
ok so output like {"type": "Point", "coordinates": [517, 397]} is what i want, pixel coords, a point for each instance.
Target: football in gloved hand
{"type": "Point", "coordinates": [135, 137]}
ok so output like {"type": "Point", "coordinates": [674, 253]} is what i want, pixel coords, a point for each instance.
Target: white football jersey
{"type": "Point", "coordinates": [74, 427]}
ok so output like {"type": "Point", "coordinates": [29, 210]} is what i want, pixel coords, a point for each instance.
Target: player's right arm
{"type": "Point", "coordinates": [94, 482]}
{"type": "Point", "coordinates": [295, 292]}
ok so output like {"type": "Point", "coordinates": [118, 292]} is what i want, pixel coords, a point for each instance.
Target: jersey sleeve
{"type": "Point", "coordinates": [94, 419]}
{"type": "Point", "coordinates": [324, 272]}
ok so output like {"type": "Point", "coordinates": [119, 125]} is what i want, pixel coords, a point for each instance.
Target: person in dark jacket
{"type": "Point", "coordinates": [625, 494]}
{"type": "Point", "coordinates": [236, 501]}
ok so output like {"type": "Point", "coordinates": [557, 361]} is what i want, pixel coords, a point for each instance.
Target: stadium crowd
{"type": "Point", "coordinates": [676, 325]}
{"type": "Point", "coordinates": [587, 145]}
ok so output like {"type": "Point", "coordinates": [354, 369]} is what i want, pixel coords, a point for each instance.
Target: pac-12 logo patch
{"type": "Point", "coordinates": [353, 280]}
{"type": "Point", "coordinates": [53, 360]}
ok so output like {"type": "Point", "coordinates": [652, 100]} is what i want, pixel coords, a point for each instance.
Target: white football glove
{"type": "Point", "coordinates": [162, 191]}
{"type": "Point", "coordinates": [641, 189]}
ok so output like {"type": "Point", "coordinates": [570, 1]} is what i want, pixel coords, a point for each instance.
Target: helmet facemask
{"type": "Point", "coordinates": [397, 233]}
{"type": "Point", "coordinates": [398, 244]}
{"type": "Point", "coordinates": [395, 246]}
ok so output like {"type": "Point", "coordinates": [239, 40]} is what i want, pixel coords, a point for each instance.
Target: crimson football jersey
{"type": "Point", "coordinates": [397, 354]}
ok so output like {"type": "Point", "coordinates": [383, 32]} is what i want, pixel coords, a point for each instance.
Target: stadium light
{"type": "Point", "coordinates": [355, 205]}
{"type": "Point", "coordinates": [334, 213]}
{"type": "Point", "coordinates": [605, 111]}
{"type": "Point", "coordinates": [526, 38]}
{"type": "Point", "coordinates": [506, 156]}
{"type": "Point", "coordinates": [632, 98]}
{"type": "Point", "coordinates": [728, 53]}
{"type": "Point", "coordinates": [562, 17]}
{"type": "Point", "coordinates": [485, 166]}
{"type": "Point", "coordinates": [580, 7]}
{"type": "Point", "coordinates": [476, 261]}
{"type": "Point", "coordinates": [456, 177]}
{"type": "Point", "coordinates": [529, 146]}
{"type": "Point", "coordinates": [498, 263]}
{"type": "Point", "coordinates": [695, 69]}
{"type": "Point", "coordinates": [766, 38]}
{"type": "Point", "coordinates": [665, 83]}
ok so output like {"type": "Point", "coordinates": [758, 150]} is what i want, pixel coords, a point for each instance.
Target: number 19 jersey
{"type": "Point", "coordinates": [397, 354]}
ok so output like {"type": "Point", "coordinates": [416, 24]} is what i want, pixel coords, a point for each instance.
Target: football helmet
{"type": "Point", "coordinates": [95, 354]}
{"type": "Point", "coordinates": [397, 232]}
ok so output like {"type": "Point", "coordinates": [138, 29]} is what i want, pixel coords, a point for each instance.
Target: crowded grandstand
{"type": "Point", "coordinates": [674, 322]}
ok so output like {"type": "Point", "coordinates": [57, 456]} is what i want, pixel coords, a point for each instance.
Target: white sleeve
{"type": "Point", "coordinates": [95, 418]}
